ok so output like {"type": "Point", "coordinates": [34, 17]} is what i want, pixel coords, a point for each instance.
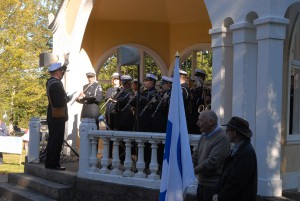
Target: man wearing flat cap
{"type": "Point", "coordinates": [238, 180]}
{"type": "Point", "coordinates": [57, 115]}
{"type": "Point", "coordinates": [90, 98]}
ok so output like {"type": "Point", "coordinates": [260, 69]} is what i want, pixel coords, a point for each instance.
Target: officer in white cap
{"type": "Point", "coordinates": [90, 98]}
{"type": "Point", "coordinates": [57, 115]}
{"type": "Point", "coordinates": [124, 115]}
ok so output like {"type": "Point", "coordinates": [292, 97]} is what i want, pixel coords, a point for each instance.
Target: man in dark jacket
{"type": "Point", "coordinates": [57, 115]}
{"type": "Point", "coordinates": [238, 181]}
{"type": "Point", "coordinates": [91, 97]}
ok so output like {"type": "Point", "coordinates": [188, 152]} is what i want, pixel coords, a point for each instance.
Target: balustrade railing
{"type": "Point", "coordinates": [133, 169]}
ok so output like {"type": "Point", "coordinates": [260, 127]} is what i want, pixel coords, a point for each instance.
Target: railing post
{"type": "Point", "coordinates": [93, 157]}
{"type": "Point", "coordinates": [128, 160]}
{"type": "Point", "coordinates": [153, 164]}
{"type": "Point", "coordinates": [34, 136]}
{"type": "Point", "coordinates": [85, 145]}
{"type": "Point", "coordinates": [105, 157]}
{"type": "Point", "coordinates": [140, 164]}
{"type": "Point", "coordinates": [115, 161]}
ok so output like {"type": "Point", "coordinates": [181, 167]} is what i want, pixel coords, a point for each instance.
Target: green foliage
{"type": "Point", "coordinates": [204, 62]}
{"type": "Point", "coordinates": [23, 36]}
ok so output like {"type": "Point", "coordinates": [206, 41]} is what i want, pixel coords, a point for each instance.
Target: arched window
{"type": "Point", "coordinates": [294, 81]}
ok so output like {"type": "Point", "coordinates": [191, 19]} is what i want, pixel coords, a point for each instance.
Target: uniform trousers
{"type": "Point", "coordinates": [55, 141]}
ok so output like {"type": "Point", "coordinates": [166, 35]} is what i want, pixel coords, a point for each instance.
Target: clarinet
{"type": "Point", "coordinates": [146, 107]}
{"type": "Point", "coordinates": [128, 103]}
{"type": "Point", "coordinates": [82, 92]}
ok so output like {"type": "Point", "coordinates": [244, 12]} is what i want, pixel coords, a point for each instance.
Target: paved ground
{"type": "Point", "coordinates": [3, 177]}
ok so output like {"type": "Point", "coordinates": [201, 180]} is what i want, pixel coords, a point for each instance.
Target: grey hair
{"type": "Point", "coordinates": [211, 115]}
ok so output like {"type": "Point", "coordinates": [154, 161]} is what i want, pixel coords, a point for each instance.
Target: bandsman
{"type": "Point", "coordinates": [110, 105]}
{"type": "Point", "coordinates": [200, 99]}
{"type": "Point", "coordinates": [124, 116]}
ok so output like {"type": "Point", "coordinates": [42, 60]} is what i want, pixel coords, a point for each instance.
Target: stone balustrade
{"type": "Point", "coordinates": [132, 171]}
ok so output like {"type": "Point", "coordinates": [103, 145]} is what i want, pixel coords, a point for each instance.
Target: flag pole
{"type": "Point", "coordinates": [137, 126]}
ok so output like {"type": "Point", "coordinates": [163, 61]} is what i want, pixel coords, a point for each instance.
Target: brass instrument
{"type": "Point", "coordinates": [202, 107]}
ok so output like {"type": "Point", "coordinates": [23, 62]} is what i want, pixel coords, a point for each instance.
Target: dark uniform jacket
{"type": "Point", "coordinates": [161, 112]}
{"type": "Point", "coordinates": [147, 106]}
{"type": "Point", "coordinates": [238, 181]}
{"type": "Point", "coordinates": [186, 101]}
{"type": "Point", "coordinates": [93, 96]}
{"type": "Point", "coordinates": [124, 116]}
{"type": "Point", "coordinates": [57, 98]}
{"type": "Point", "coordinates": [110, 109]}
{"type": "Point", "coordinates": [198, 95]}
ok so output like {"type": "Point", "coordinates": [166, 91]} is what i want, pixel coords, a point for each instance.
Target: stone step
{"type": "Point", "coordinates": [52, 189]}
{"type": "Point", "coordinates": [11, 192]}
{"type": "Point", "coordinates": [63, 177]}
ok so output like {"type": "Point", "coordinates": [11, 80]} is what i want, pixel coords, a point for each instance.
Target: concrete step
{"type": "Point", "coordinates": [54, 190]}
{"type": "Point", "coordinates": [63, 177]}
{"type": "Point", "coordinates": [11, 192]}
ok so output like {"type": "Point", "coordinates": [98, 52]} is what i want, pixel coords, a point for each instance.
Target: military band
{"type": "Point", "coordinates": [154, 102]}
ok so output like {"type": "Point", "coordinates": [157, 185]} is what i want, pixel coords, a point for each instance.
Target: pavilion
{"type": "Point", "coordinates": [256, 62]}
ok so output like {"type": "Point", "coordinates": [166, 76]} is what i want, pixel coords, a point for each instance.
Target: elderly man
{"type": "Point", "coordinates": [213, 147]}
{"type": "Point", "coordinates": [238, 181]}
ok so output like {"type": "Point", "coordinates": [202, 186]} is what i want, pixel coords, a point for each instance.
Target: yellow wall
{"type": "Point", "coordinates": [163, 38]}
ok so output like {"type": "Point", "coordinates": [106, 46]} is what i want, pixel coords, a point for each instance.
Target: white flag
{"type": "Point", "coordinates": [177, 171]}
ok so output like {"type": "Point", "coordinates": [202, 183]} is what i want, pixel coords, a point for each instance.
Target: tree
{"type": "Point", "coordinates": [24, 34]}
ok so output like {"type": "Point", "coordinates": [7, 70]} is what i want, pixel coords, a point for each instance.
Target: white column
{"type": "Point", "coordinates": [85, 145]}
{"type": "Point", "coordinates": [34, 145]}
{"type": "Point", "coordinates": [244, 72]}
{"type": "Point", "coordinates": [270, 36]}
{"type": "Point", "coordinates": [222, 72]}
